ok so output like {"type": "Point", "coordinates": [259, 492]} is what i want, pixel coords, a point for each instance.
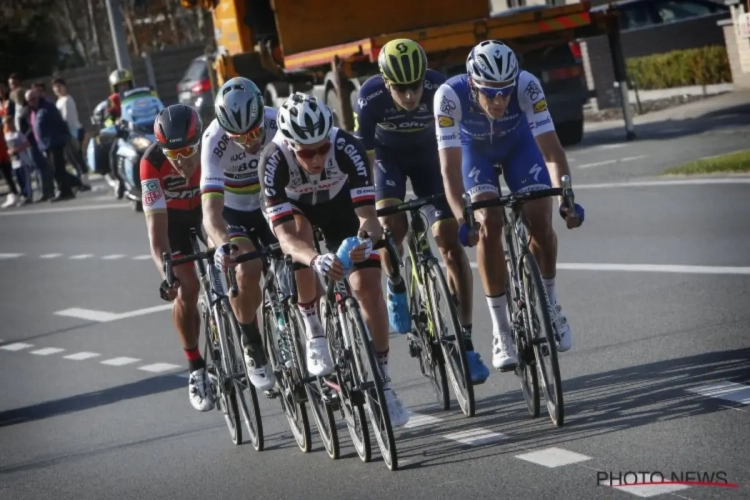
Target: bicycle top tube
{"type": "Point", "coordinates": [410, 206]}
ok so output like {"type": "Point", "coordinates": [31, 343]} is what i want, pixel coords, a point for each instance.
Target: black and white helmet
{"type": "Point", "coordinates": [239, 106]}
{"type": "Point", "coordinates": [492, 61]}
{"type": "Point", "coordinates": [304, 120]}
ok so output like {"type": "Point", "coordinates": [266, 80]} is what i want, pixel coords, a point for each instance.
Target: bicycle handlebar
{"type": "Point", "coordinates": [410, 205]}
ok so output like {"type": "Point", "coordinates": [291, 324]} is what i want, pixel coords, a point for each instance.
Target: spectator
{"type": "Point", "coordinates": [18, 150]}
{"type": "Point", "coordinates": [23, 125]}
{"type": "Point", "coordinates": [41, 88]}
{"type": "Point", "coordinates": [67, 107]}
{"type": "Point", "coordinates": [14, 80]}
{"type": "Point", "coordinates": [7, 107]}
{"type": "Point", "coordinates": [52, 135]}
{"type": "Point", "coordinates": [5, 166]}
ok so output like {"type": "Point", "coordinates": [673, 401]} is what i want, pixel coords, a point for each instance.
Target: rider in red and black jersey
{"type": "Point", "coordinates": [170, 183]}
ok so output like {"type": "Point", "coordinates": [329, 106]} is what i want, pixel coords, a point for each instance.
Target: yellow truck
{"type": "Point", "coordinates": [328, 48]}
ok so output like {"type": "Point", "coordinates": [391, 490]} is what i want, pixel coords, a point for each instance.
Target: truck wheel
{"type": "Point", "coordinates": [570, 133]}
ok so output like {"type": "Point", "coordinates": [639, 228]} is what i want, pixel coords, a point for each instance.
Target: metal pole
{"type": "Point", "coordinates": [621, 75]}
{"type": "Point", "coordinates": [119, 42]}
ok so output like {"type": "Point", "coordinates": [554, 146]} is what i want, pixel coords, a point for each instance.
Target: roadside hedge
{"type": "Point", "coordinates": [703, 66]}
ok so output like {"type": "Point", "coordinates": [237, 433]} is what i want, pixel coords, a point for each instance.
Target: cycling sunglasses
{"type": "Point", "coordinates": [249, 136]}
{"type": "Point", "coordinates": [308, 154]}
{"type": "Point", "coordinates": [492, 92]}
{"type": "Point", "coordinates": [186, 152]}
{"type": "Point", "coordinates": [403, 88]}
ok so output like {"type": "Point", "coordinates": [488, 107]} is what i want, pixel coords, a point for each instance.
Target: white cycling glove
{"type": "Point", "coordinates": [220, 252]}
{"type": "Point", "coordinates": [322, 264]}
{"type": "Point", "coordinates": [368, 248]}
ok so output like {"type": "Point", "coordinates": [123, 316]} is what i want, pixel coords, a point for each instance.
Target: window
{"type": "Point", "coordinates": [196, 71]}
{"type": "Point", "coordinates": [672, 11]}
{"type": "Point", "coordinates": [635, 16]}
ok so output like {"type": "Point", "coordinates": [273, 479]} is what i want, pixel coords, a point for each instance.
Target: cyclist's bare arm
{"type": "Point", "coordinates": [155, 209]}
{"type": "Point", "coordinates": [447, 128]}
{"type": "Point", "coordinates": [158, 239]}
{"type": "Point", "coordinates": [212, 198]}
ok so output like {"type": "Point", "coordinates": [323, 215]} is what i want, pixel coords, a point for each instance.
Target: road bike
{"type": "Point", "coordinates": [534, 333]}
{"type": "Point", "coordinates": [436, 337]}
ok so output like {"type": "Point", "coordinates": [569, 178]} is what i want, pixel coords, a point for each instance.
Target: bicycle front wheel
{"type": "Point", "coordinates": [447, 329]}
{"type": "Point", "coordinates": [543, 334]}
{"type": "Point", "coordinates": [372, 382]}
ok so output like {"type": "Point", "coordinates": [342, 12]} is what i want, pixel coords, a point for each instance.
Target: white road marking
{"type": "Point", "coordinates": [65, 209]}
{"type": "Point", "coordinates": [610, 146]}
{"type": "Point", "coordinates": [159, 367]}
{"type": "Point", "coordinates": [418, 420]}
{"type": "Point", "coordinates": [80, 356]}
{"type": "Point", "coordinates": [114, 256]}
{"type": "Point", "coordinates": [10, 255]}
{"type": "Point", "coordinates": [553, 457]}
{"type": "Point", "coordinates": [17, 346]}
{"type": "Point", "coordinates": [649, 490]}
{"type": "Point", "coordinates": [671, 182]}
{"type": "Point", "coordinates": [475, 436]}
{"type": "Point", "coordinates": [47, 351]}
{"type": "Point", "coordinates": [122, 361]}
{"type": "Point", "coordinates": [728, 391]}
{"type": "Point", "coordinates": [142, 257]}
{"type": "Point", "coordinates": [609, 162]}
{"type": "Point", "coordinates": [105, 316]}
{"type": "Point", "coordinates": [81, 256]}
{"type": "Point", "coordinates": [645, 268]}
{"type": "Point", "coordinates": [50, 256]}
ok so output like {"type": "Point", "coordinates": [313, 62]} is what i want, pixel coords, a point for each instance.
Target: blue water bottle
{"type": "Point", "coordinates": [343, 252]}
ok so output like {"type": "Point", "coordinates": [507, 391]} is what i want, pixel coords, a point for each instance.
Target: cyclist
{"type": "Point", "coordinates": [394, 119]}
{"type": "Point", "coordinates": [231, 203]}
{"type": "Point", "coordinates": [497, 113]}
{"type": "Point", "coordinates": [170, 183]}
{"type": "Point", "coordinates": [316, 174]}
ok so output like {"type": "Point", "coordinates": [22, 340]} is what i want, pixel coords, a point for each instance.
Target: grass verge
{"type": "Point", "coordinates": [729, 163]}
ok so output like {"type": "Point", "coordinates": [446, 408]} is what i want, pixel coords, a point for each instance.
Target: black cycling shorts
{"type": "Point", "coordinates": [179, 224]}
{"type": "Point", "coordinates": [337, 221]}
{"type": "Point", "coordinates": [249, 225]}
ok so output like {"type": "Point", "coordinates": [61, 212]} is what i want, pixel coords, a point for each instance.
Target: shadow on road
{"type": "Point", "coordinates": [595, 405]}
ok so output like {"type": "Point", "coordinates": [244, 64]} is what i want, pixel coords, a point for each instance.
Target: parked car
{"type": "Point", "coordinates": [637, 14]}
{"type": "Point", "coordinates": [195, 89]}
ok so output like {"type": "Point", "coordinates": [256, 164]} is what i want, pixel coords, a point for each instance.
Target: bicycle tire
{"type": "Point", "coordinates": [224, 398]}
{"type": "Point", "coordinates": [534, 288]}
{"type": "Point", "coordinates": [352, 412]}
{"type": "Point", "coordinates": [374, 394]}
{"type": "Point", "coordinates": [526, 369]}
{"type": "Point", "coordinates": [455, 358]}
{"type": "Point", "coordinates": [248, 405]}
{"type": "Point", "coordinates": [430, 352]}
{"type": "Point", "coordinates": [294, 410]}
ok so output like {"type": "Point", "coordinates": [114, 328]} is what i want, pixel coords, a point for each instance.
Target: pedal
{"type": "Point", "coordinates": [271, 394]}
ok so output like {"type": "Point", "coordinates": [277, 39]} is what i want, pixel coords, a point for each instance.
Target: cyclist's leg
{"type": "Point", "coordinates": [527, 171]}
{"type": "Point", "coordinates": [480, 181]}
{"type": "Point", "coordinates": [319, 362]}
{"type": "Point", "coordinates": [186, 317]}
{"type": "Point", "coordinates": [390, 189]}
{"type": "Point", "coordinates": [245, 305]}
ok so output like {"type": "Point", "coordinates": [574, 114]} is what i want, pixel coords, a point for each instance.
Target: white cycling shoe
{"type": "Point", "coordinates": [396, 411]}
{"type": "Point", "coordinates": [319, 362]}
{"type": "Point", "coordinates": [503, 352]}
{"type": "Point", "coordinates": [563, 329]}
{"type": "Point", "coordinates": [261, 377]}
{"type": "Point", "coordinates": [199, 390]}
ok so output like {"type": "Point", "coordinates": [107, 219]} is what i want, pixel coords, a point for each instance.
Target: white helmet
{"type": "Point", "coordinates": [492, 61]}
{"type": "Point", "coordinates": [304, 120]}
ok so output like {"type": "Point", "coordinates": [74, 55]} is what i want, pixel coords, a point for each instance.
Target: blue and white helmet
{"type": "Point", "coordinates": [492, 61]}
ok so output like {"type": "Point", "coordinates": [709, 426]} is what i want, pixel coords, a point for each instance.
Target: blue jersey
{"type": "Point", "coordinates": [461, 121]}
{"type": "Point", "coordinates": [378, 121]}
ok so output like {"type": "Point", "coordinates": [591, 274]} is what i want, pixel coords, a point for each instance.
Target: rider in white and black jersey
{"type": "Point", "coordinates": [315, 174]}
{"type": "Point", "coordinates": [230, 193]}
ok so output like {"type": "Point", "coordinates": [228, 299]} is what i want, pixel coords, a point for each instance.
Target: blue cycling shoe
{"type": "Point", "coordinates": [398, 311]}
{"type": "Point", "coordinates": [477, 369]}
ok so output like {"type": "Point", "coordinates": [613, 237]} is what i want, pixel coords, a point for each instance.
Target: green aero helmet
{"type": "Point", "coordinates": [402, 61]}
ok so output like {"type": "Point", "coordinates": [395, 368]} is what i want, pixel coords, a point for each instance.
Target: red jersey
{"type": "Point", "coordinates": [164, 189]}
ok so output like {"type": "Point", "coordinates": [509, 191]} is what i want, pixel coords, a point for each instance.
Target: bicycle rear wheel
{"type": "Point", "coordinates": [450, 336]}
{"type": "Point", "coordinates": [351, 400]}
{"type": "Point", "coordinates": [543, 334]}
{"type": "Point", "coordinates": [247, 395]}
{"type": "Point", "coordinates": [372, 382]}
{"type": "Point", "coordinates": [222, 387]}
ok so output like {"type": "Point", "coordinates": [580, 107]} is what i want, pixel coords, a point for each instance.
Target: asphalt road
{"type": "Point", "coordinates": [81, 418]}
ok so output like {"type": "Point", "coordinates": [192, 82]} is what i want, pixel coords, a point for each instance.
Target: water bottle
{"type": "Point", "coordinates": [343, 252]}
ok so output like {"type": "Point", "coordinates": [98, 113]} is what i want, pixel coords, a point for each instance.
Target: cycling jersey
{"type": "Point", "coordinates": [378, 120]}
{"type": "Point", "coordinates": [287, 185]}
{"type": "Point", "coordinates": [228, 170]}
{"type": "Point", "coordinates": [508, 140]}
{"type": "Point", "coordinates": [163, 190]}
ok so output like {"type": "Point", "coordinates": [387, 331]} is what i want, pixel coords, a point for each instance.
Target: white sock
{"type": "Point", "coordinates": [383, 362]}
{"type": "Point", "coordinates": [549, 285]}
{"type": "Point", "coordinates": [313, 327]}
{"type": "Point", "coordinates": [498, 312]}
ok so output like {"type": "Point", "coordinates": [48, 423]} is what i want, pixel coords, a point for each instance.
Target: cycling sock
{"type": "Point", "coordinates": [468, 344]}
{"type": "Point", "coordinates": [549, 286]}
{"type": "Point", "coordinates": [397, 285]}
{"type": "Point", "coordinates": [383, 362]}
{"type": "Point", "coordinates": [252, 342]}
{"type": "Point", "coordinates": [313, 328]}
{"type": "Point", "coordinates": [195, 360]}
{"type": "Point", "coordinates": [498, 306]}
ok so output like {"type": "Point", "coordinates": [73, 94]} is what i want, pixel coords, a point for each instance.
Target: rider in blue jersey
{"type": "Point", "coordinates": [395, 120]}
{"type": "Point", "coordinates": [498, 114]}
